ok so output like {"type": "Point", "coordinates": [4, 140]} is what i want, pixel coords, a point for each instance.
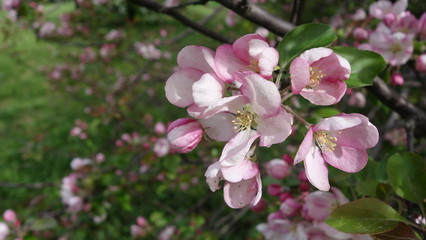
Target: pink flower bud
{"type": "Point", "coordinates": [288, 159]}
{"type": "Point", "coordinates": [304, 186]}
{"type": "Point", "coordinates": [9, 216]}
{"type": "Point", "coordinates": [397, 79]}
{"type": "Point", "coordinates": [290, 207]}
{"type": "Point", "coordinates": [285, 196]}
{"type": "Point", "coordinates": [275, 215]}
{"type": "Point", "coordinates": [421, 62]}
{"type": "Point", "coordinates": [159, 128]}
{"type": "Point", "coordinates": [278, 168]}
{"type": "Point", "coordinates": [360, 34]}
{"type": "Point", "coordinates": [274, 189]}
{"type": "Point", "coordinates": [260, 206]}
{"type": "Point", "coordinates": [302, 176]}
{"type": "Point", "coordinates": [141, 221]}
{"type": "Point", "coordinates": [389, 18]}
{"type": "Point", "coordinates": [184, 134]}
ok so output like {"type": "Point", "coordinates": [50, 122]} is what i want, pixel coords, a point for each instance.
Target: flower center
{"type": "Point", "coordinates": [244, 120]}
{"type": "Point", "coordinates": [316, 76]}
{"type": "Point", "coordinates": [254, 65]}
{"type": "Point", "coordinates": [325, 140]}
{"type": "Point", "coordinates": [395, 48]}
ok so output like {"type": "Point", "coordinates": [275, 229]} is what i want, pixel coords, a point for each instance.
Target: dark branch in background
{"type": "Point", "coordinates": [196, 2]}
{"type": "Point", "coordinates": [296, 11]}
{"type": "Point", "coordinates": [258, 15]}
{"type": "Point", "coordinates": [394, 101]}
{"type": "Point", "coordinates": [156, 7]}
{"type": "Point", "coordinates": [26, 185]}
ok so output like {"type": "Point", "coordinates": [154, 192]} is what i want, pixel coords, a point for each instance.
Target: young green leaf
{"type": "Point", "coordinates": [302, 38]}
{"type": "Point", "coordinates": [364, 216]}
{"type": "Point", "coordinates": [365, 65]}
{"type": "Point", "coordinates": [407, 175]}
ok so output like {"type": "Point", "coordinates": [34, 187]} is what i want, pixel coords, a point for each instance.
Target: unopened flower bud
{"type": "Point", "coordinates": [389, 18]}
{"type": "Point", "coordinates": [274, 189]}
{"type": "Point", "coordinates": [360, 34]}
{"type": "Point", "coordinates": [278, 168]}
{"type": "Point", "coordinates": [184, 134]}
{"type": "Point", "coordinates": [9, 216]}
{"type": "Point", "coordinates": [285, 196]}
{"type": "Point", "coordinates": [288, 159]}
{"type": "Point", "coordinates": [260, 206]}
{"type": "Point", "coordinates": [397, 79]}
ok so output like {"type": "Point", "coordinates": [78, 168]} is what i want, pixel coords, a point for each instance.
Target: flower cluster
{"type": "Point", "coordinates": [231, 97]}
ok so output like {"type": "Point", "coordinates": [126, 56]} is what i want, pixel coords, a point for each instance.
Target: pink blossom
{"type": "Point", "coordinates": [184, 134]}
{"type": "Point", "coordinates": [397, 79]}
{"type": "Point", "coordinates": [422, 26]}
{"type": "Point", "coordinates": [107, 50]}
{"type": "Point", "coordinates": [359, 15]}
{"type": "Point", "coordinates": [357, 99]}
{"type": "Point", "coordinates": [195, 84]}
{"type": "Point", "coordinates": [250, 53]}
{"type": "Point", "coordinates": [100, 157]}
{"type": "Point", "coordinates": [278, 168]}
{"type": "Point", "coordinates": [141, 221]}
{"type": "Point", "coordinates": [167, 233]}
{"type": "Point", "coordinates": [406, 23]}
{"type": "Point", "coordinates": [160, 128]}
{"type": "Point", "coordinates": [148, 51]}
{"type": "Point", "coordinates": [115, 34]}
{"type": "Point", "coordinates": [318, 75]}
{"type": "Point", "coordinates": [242, 182]}
{"type": "Point", "coordinates": [318, 205]}
{"type": "Point", "coordinates": [290, 207]}
{"type": "Point", "coordinates": [380, 8]}
{"type": "Point", "coordinates": [4, 230]}
{"type": "Point", "coordinates": [396, 48]}
{"type": "Point", "coordinates": [421, 63]}
{"type": "Point", "coordinates": [283, 229]}
{"type": "Point", "coordinates": [260, 206]}
{"type": "Point", "coordinates": [78, 163]}
{"type": "Point", "coordinates": [9, 216]}
{"type": "Point", "coordinates": [341, 141]}
{"type": "Point", "coordinates": [162, 147]}
{"type": "Point", "coordinates": [47, 29]}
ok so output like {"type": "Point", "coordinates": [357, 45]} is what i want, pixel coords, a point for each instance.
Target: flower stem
{"type": "Point", "coordinates": [297, 116]}
{"type": "Point", "coordinates": [285, 97]}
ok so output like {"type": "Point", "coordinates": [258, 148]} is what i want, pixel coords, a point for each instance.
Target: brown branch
{"type": "Point", "coordinates": [258, 15]}
{"type": "Point", "coordinates": [156, 7]}
{"type": "Point", "coordinates": [396, 102]}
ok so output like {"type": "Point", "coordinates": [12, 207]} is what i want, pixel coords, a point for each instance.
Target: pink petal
{"type": "Point", "coordinates": [241, 46]}
{"type": "Point", "coordinates": [299, 74]}
{"type": "Point", "coordinates": [325, 93]}
{"type": "Point", "coordinates": [236, 149]}
{"type": "Point", "coordinates": [268, 60]}
{"type": "Point", "coordinates": [227, 63]}
{"type": "Point", "coordinates": [197, 57]}
{"type": "Point", "coordinates": [228, 104]}
{"type": "Point", "coordinates": [316, 169]}
{"type": "Point", "coordinates": [256, 47]}
{"type": "Point", "coordinates": [361, 136]}
{"type": "Point", "coordinates": [219, 127]}
{"type": "Point", "coordinates": [305, 147]}
{"type": "Point", "coordinates": [213, 176]}
{"type": "Point", "coordinates": [346, 158]}
{"type": "Point", "coordinates": [334, 67]}
{"type": "Point", "coordinates": [338, 123]}
{"type": "Point", "coordinates": [263, 95]}
{"type": "Point", "coordinates": [195, 111]}
{"type": "Point", "coordinates": [241, 194]}
{"type": "Point", "coordinates": [246, 169]}
{"type": "Point", "coordinates": [208, 90]}
{"type": "Point", "coordinates": [179, 86]}
{"type": "Point", "coordinates": [314, 54]}
{"type": "Point", "coordinates": [275, 129]}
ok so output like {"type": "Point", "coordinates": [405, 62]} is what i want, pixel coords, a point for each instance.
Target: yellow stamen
{"type": "Point", "coordinates": [254, 65]}
{"type": "Point", "coordinates": [244, 120]}
{"type": "Point", "coordinates": [316, 76]}
{"type": "Point", "coordinates": [325, 140]}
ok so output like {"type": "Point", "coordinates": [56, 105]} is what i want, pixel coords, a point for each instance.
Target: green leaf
{"type": "Point", "coordinates": [367, 187]}
{"type": "Point", "coordinates": [302, 38]}
{"type": "Point", "coordinates": [364, 216]}
{"type": "Point", "coordinates": [402, 231]}
{"type": "Point", "coordinates": [407, 175]}
{"type": "Point", "coordinates": [326, 112]}
{"type": "Point", "coordinates": [365, 65]}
